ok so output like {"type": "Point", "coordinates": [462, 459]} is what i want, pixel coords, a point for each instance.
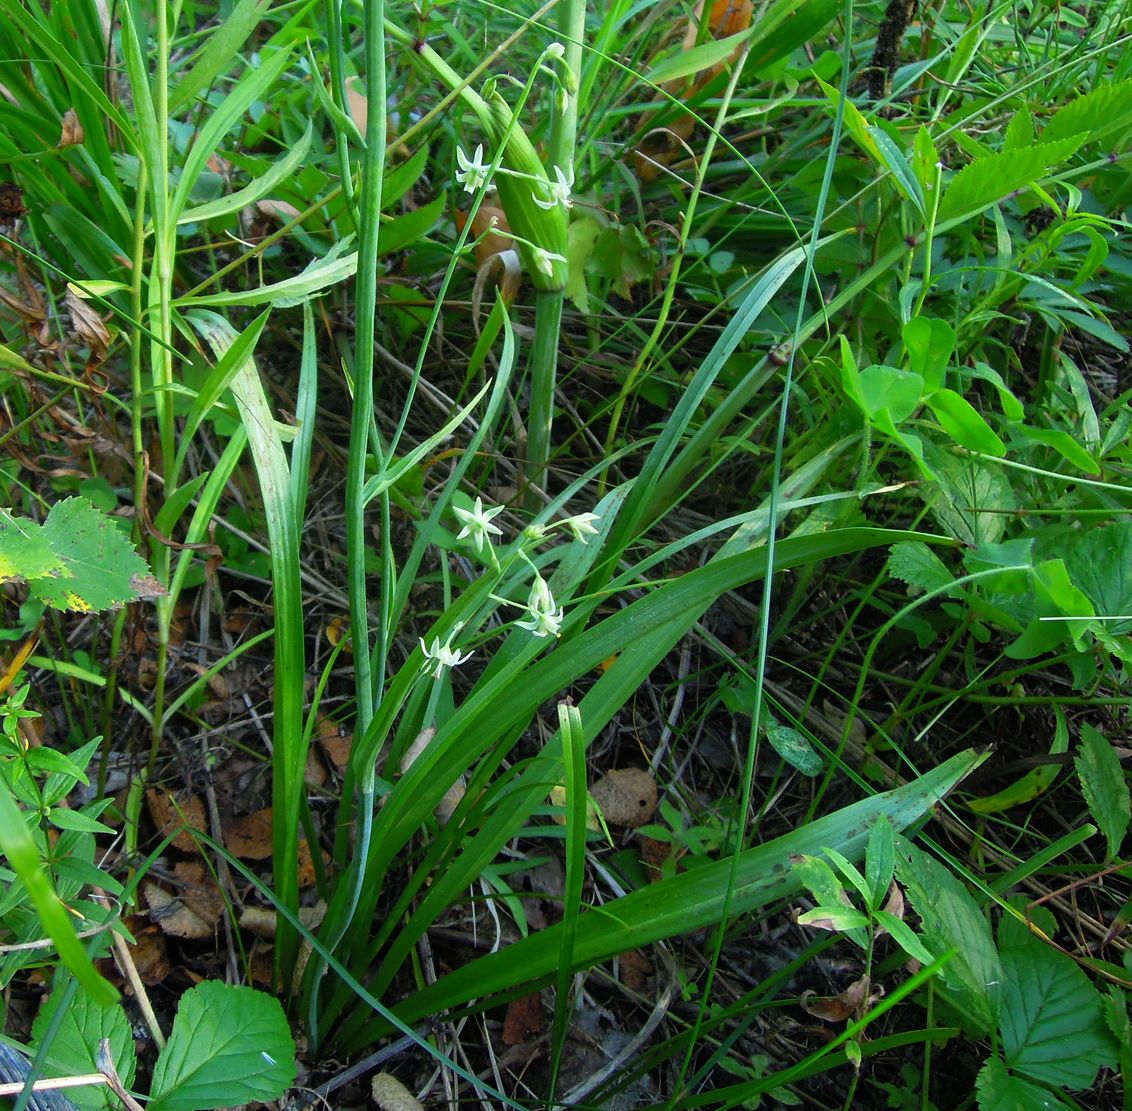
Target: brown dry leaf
{"type": "Point", "coordinates": [314, 773]}
{"type": "Point", "coordinates": [335, 743]}
{"type": "Point", "coordinates": [357, 103]}
{"type": "Point", "coordinates": [654, 855]}
{"type": "Point", "coordinates": [490, 230]}
{"type": "Point", "coordinates": [261, 921]}
{"type": "Point", "coordinates": [148, 952]}
{"type": "Point", "coordinates": [894, 905]}
{"type": "Point", "coordinates": [250, 837]}
{"type": "Point", "coordinates": [728, 17]}
{"type": "Point", "coordinates": [169, 814]}
{"type": "Point", "coordinates": [307, 875]}
{"type": "Point", "coordinates": [87, 325]}
{"type": "Point", "coordinates": [279, 212]}
{"type": "Point", "coordinates": [627, 797]}
{"type": "Point", "coordinates": [838, 1008]}
{"type": "Point", "coordinates": [391, 1095]}
{"type": "Point", "coordinates": [72, 131]}
{"type": "Point", "coordinates": [11, 201]}
{"type": "Point", "coordinates": [525, 1019]}
{"type": "Point", "coordinates": [195, 912]}
{"type": "Point", "coordinates": [635, 969]}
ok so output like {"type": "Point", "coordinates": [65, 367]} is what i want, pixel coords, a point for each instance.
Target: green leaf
{"type": "Point", "coordinates": [1104, 787]}
{"type": "Point", "coordinates": [1055, 598]}
{"type": "Point", "coordinates": [969, 499]}
{"type": "Point", "coordinates": [1100, 563]}
{"type": "Point", "coordinates": [1106, 109]}
{"type": "Point", "coordinates": [893, 158]}
{"type": "Point", "coordinates": [998, 1090]}
{"type": "Point", "coordinates": [64, 818]}
{"type": "Point", "coordinates": [904, 936]}
{"type": "Point", "coordinates": [880, 861]}
{"type": "Point", "coordinates": [1051, 1020]}
{"type": "Point", "coordinates": [399, 231]}
{"type": "Point", "coordinates": [1019, 131]}
{"type": "Point", "coordinates": [964, 424]}
{"type": "Point", "coordinates": [229, 1045]}
{"type": "Point", "coordinates": [685, 902]}
{"type": "Point", "coordinates": [952, 920]}
{"type": "Point", "coordinates": [580, 239]}
{"type": "Point", "coordinates": [705, 56]}
{"type": "Point", "coordinates": [915, 563]}
{"type": "Point", "coordinates": [794, 748]}
{"type": "Point", "coordinates": [218, 51]}
{"type": "Point", "coordinates": [838, 918]}
{"type": "Point", "coordinates": [930, 343]}
{"type": "Point", "coordinates": [991, 177]}
{"type": "Point", "coordinates": [1065, 445]}
{"type": "Point", "coordinates": [99, 567]}
{"type": "Point", "coordinates": [888, 389]}
{"type": "Point", "coordinates": [73, 1050]}
{"type": "Point", "coordinates": [24, 550]}
{"type": "Point", "coordinates": [1031, 785]}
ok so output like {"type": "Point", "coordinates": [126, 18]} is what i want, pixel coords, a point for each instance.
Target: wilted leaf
{"type": "Point", "coordinates": [250, 837]}
{"type": "Point", "coordinates": [87, 325]}
{"type": "Point", "coordinates": [391, 1095]}
{"type": "Point", "coordinates": [72, 130]}
{"type": "Point", "coordinates": [837, 1008]}
{"type": "Point", "coordinates": [193, 913]}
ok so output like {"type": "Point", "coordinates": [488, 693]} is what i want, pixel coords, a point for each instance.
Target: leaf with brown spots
{"type": "Point", "coordinates": [169, 814]}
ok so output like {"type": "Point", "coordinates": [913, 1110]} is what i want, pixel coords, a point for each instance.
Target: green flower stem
{"type": "Point", "coordinates": [544, 371]}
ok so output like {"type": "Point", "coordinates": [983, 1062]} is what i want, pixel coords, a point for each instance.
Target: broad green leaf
{"type": "Point", "coordinates": [880, 860]}
{"type": "Point", "coordinates": [855, 123]}
{"type": "Point", "coordinates": [73, 1050]}
{"type": "Point", "coordinates": [952, 919]}
{"type": "Point", "coordinates": [999, 1090]}
{"type": "Point", "coordinates": [1100, 563]}
{"type": "Point", "coordinates": [1055, 600]}
{"type": "Point", "coordinates": [1065, 445]}
{"type": "Point", "coordinates": [24, 550]}
{"type": "Point", "coordinates": [1051, 1020]}
{"type": "Point", "coordinates": [794, 748]}
{"type": "Point", "coordinates": [992, 177]}
{"type": "Point", "coordinates": [320, 275]}
{"type": "Point", "coordinates": [100, 569]}
{"type": "Point", "coordinates": [969, 498]}
{"type": "Point", "coordinates": [916, 564]}
{"type": "Point", "coordinates": [835, 918]}
{"type": "Point", "coordinates": [930, 343]}
{"type": "Point", "coordinates": [686, 902]}
{"type": "Point", "coordinates": [893, 158]}
{"type": "Point", "coordinates": [580, 239]}
{"type": "Point", "coordinates": [925, 162]}
{"type": "Point", "coordinates": [1108, 108]}
{"type": "Point", "coordinates": [229, 1045]}
{"type": "Point", "coordinates": [888, 389]}
{"type": "Point", "coordinates": [964, 424]}
{"type": "Point", "coordinates": [1020, 130]}
{"type": "Point", "coordinates": [399, 232]}
{"type": "Point", "coordinates": [1104, 786]}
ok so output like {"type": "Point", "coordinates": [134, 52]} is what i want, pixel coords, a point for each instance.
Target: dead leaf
{"type": "Point", "coordinates": [262, 921]}
{"type": "Point", "coordinates": [194, 912]}
{"type": "Point", "coordinates": [169, 814]}
{"type": "Point", "coordinates": [391, 1095]}
{"type": "Point", "coordinates": [87, 326]}
{"type": "Point", "coordinates": [654, 856]}
{"type": "Point", "coordinates": [357, 103]}
{"type": "Point", "coordinates": [627, 797]}
{"type": "Point", "coordinates": [306, 873]}
{"type": "Point", "coordinates": [280, 212]}
{"type": "Point", "coordinates": [635, 969]}
{"type": "Point", "coordinates": [251, 837]}
{"type": "Point", "coordinates": [335, 742]}
{"type": "Point", "coordinates": [490, 231]}
{"type": "Point", "coordinates": [148, 952]}
{"type": "Point", "coordinates": [525, 1019]}
{"type": "Point", "coordinates": [11, 201]}
{"type": "Point", "coordinates": [838, 1008]}
{"type": "Point", "coordinates": [72, 132]}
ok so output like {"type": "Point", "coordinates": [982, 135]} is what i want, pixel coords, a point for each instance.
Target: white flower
{"type": "Point", "coordinates": [556, 51]}
{"type": "Point", "coordinates": [439, 656]}
{"type": "Point", "coordinates": [583, 523]}
{"type": "Point", "coordinates": [543, 620]}
{"type": "Point", "coordinates": [477, 523]}
{"type": "Point", "coordinates": [545, 260]}
{"type": "Point", "coordinates": [558, 192]}
{"type": "Point", "coordinates": [473, 171]}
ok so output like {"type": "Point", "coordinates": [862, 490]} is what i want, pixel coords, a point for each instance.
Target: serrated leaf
{"type": "Point", "coordinates": [229, 1045]}
{"type": "Point", "coordinates": [1104, 787]}
{"type": "Point", "coordinates": [99, 564]}
{"type": "Point", "coordinates": [1106, 108]}
{"type": "Point", "coordinates": [998, 1090]}
{"type": "Point", "coordinates": [794, 748]}
{"type": "Point", "coordinates": [1051, 1020]}
{"type": "Point", "coordinates": [952, 919]}
{"type": "Point", "coordinates": [1100, 563]}
{"type": "Point", "coordinates": [73, 1050]}
{"type": "Point", "coordinates": [969, 499]}
{"type": "Point", "coordinates": [914, 563]}
{"type": "Point", "coordinates": [992, 177]}
{"type": "Point", "coordinates": [24, 550]}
